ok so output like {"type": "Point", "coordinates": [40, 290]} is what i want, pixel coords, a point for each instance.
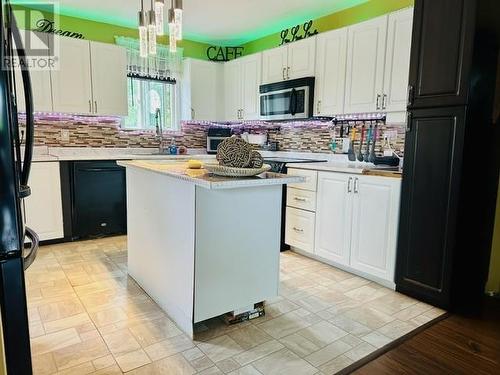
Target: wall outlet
{"type": "Point", "coordinates": [391, 135]}
{"type": "Point", "coordinates": [65, 135]}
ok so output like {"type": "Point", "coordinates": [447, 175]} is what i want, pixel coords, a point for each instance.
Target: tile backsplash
{"type": "Point", "coordinates": [305, 136]}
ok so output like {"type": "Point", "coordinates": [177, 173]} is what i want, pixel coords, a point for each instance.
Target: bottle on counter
{"type": "Point", "coordinates": [172, 149]}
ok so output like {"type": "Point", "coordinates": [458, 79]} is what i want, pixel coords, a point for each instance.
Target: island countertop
{"type": "Point", "coordinates": [201, 177]}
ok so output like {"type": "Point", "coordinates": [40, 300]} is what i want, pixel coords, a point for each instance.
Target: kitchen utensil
{"type": "Point", "coordinates": [351, 155]}
{"type": "Point", "coordinates": [368, 140]}
{"type": "Point", "coordinates": [222, 170]}
{"type": "Point", "coordinates": [372, 157]}
{"type": "Point", "coordinates": [360, 154]}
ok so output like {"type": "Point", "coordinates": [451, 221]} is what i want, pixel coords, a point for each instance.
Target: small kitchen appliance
{"type": "Point", "coordinates": [215, 136]}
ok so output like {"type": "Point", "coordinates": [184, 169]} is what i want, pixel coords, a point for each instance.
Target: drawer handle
{"type": "Point", "coordinates": [298, 230]}
{"type": "Point", "coordinates": [300, 199]}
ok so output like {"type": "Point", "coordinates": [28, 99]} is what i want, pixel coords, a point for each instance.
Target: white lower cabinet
{"type": "Point", "coordinates": [333, 217]}
{"type": "Point", "coordinates": [299, 230]}
{"type": "Point", "coordinates": [44, 206]}
{"type": "Point", "coordinates": [355, 223]}
{"type": "Point", "coordinates": [375, 209]}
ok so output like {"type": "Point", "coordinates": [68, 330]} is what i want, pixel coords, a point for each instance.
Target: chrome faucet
{"type": "Point", "coordinates": [159, 131]}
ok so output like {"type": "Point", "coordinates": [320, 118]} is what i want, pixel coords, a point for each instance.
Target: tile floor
{"type": "Point", "coordinates": [87, 317]}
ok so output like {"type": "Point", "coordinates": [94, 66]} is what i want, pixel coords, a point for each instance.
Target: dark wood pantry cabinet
{"type": "Point", "coordinates": [451, 161]}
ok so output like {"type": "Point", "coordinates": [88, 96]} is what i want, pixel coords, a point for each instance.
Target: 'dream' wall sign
{"type": "Point", "coordinates": [297, 32]}
{"type": "Point", "coordinates": [46, 26]}
{"type": "Point", "coordinates": [215, 53]}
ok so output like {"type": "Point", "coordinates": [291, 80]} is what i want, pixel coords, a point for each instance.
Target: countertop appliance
{"type": "Point", "coordinates": [215, 136]}
{"type": "Point", "coordinates": [279, 165]}
{"type": "Point", "coordinates": [97, 199]}
{"type": "Point", "coordinates": [18, 243]}
{"type": "Point", "coordinates": [287, 100]}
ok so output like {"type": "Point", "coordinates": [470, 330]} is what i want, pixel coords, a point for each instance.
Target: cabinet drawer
{"type": "Point", "coordinates": [310, 176]}
{"type": "Point", "coordinates": [299, 231]}
{"type": "Point", "coordinates": [303, 199]}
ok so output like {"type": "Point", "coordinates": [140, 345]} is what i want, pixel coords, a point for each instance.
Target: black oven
{"type": "Point", "coordinates": [215, 136]}
{"type": "Point", "coordinates": [287, 100]}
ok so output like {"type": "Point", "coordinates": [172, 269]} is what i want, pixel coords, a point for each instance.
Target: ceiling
{"type": "Point", "coordinates": [223, 22]}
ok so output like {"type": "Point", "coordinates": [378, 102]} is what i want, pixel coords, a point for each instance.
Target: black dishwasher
{"type": "Point", "coordinates": [98, 199]}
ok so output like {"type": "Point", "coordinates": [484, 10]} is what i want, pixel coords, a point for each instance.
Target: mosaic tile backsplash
{"type": "Point", "coordinates": [305, 136]}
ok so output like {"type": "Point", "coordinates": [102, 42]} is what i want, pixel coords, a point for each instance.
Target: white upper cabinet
{"type": "Point", "coordinates": [274, 64]}
{"type": "Point", "coordinates": [331, 56]}
{"type": "Point", "coordinates": [301, 56]}
{"type": "Point", "coordinates": [374, 225]}
{"type": "Point", "coordinates": [44, 206]}
{"type": "Point", "coordinates": [251, 75]}
{"type": "Point", "coordinates": [290, 61]}
{"type": "Point", "coordinates": [109, 79]}
{"type": "Point", "coordinates": [241, 88]}
{"type": "Point", "coordinates": [232, 90]}
{"type": "Point", "coordinates": [397, 60]}
{"type": "Point", "coordinates": [365, 66]}
{"type": "Point", "coordinates": [40, 79]}
{"type": "Point", "coordinates": [333, 217]}
{"type": "Point", "coordinates": [71, 83]}
{"type": "Point", "coordinates": [202, 90]}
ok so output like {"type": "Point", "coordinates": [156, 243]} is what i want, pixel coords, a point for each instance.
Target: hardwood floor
{"type": "Point", "coordinates": [459, 344]}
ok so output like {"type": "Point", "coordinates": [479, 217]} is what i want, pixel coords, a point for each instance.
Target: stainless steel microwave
{"type": "Point", "coordinates": [287, 100]}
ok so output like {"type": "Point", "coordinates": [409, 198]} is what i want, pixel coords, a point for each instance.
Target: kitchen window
{"type": "Point", "coordinates": [151, 101]}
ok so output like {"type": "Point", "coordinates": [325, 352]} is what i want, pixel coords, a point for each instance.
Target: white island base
{"type": "Point", "coordinates": [199, 251]}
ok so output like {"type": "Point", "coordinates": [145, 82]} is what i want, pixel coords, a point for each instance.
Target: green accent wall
{"type": "Point", "coordinates": [493, 284]}
{"type": "Point", "coordinates": [99, 31]}
{"type": "Point", "coordinates": [350, 16]}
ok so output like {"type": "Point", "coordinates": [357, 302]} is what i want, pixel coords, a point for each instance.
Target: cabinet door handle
{"type": "Point", "coordinates": [378, 101]}
{"type": "Point", "coordinates": [298, 230]}
{"type": "Point", "coordinates": [284, 71]}
{"type": "Point", "coordinates": [241, 114]}
{"type": "Point", "coordinates": [408, 122]}
{"type": "Point", "coordinates": [288, 73]}
{"type": "Point", "coordinates": [349, 189]}
{"type": "Point", "coordinates": [356, 185]}
{"type": "Point", "coordinates": [318, 107]}
{"type": "Point", "coordinates": [95, 106]}
{"type": "Point", "coordinates": [90, 106]}
{"type": "Point", "coordinates": [193, 113]}
{"type": "Point", "coordinates": [411, 93]}
{"type": "Point", "coordinates": [384, 101]}
{"type": "Point", "coordinates": [300, 199]}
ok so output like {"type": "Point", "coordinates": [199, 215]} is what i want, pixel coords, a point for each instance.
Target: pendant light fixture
{"type": "Point", "coordinates": [143, 32]}
{"type": "Point", "coordinates": [159, 6]}
{"type": "Point", "coordinates": [178, 18]}
{"type": "Point", "coordinates": [152, 30]}
{"type": "Point", "coordinates": [172, 30]}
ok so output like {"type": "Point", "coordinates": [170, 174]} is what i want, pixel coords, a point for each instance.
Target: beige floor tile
{"type": "Point", "coordinates": [283, 325]}
{"type": "Point", "coordinates": [299, 345]}
{"type": "Point", "coordinates": [175, 364]}
{"type": "Point", "coordinates": [121, 342]}
{"type": "Point", "coordinates": [132, 360]}
{"type": "Point", "coordinates": [63, 308]}
{"type": "Point", "coordinates": [258, 352]}
{"type": "Point", "coordinates": [168, 347]}
{"type": "Point", "coordinates": [367, 293]}
{"type": "Point", "coordinates": [36, 329]}
{"type": "Point", "coordinates": [328, 353]}
{"type": "Point", "coordinates": [392, 303]}
{"type": "Point", "coordinates": [214, 370]}
{"type": "Point", "coordinates": [82, 369]}
{"type": "Point", "coordinates": [376, 339]}
{"type": "Point", "coordinates": [228, 365]}
{"type": "Point", "coordinates": [360, 351]}
{"type": "Point", "coordinates": [284, 362]}
{"type": "Point", "coordinates": [314, 303]}
{"type": "Point", "coordinates": [220, 348]}
{"type": "Point", "coordinates": [351, 340]}
{"type": "Point", "coordinates": [247, 370]}
{"type": "Point", "coordinates": [43, 364]}
{"type": "Point", "coordinates": [349, 325]}
{"type": "Point", "coordinates": [249, 336]}
{"type": "Point", "coordinates": [109, 316]}
{"type": "Point", "coordinates": [104, 362]}
{"type": "Point", "coordinates": [322, 333]}
{"type": "Point", "coordinates": [112, 370]}
{"type": "Point", "coordinates": [335, 365]}
{"type": "Point", "coordinates": [369, 317]}
{"type": "Point", "coordinates": [149, 333]}
{"type": "Point", "coordinates": [396, 329]}
{"type": "Point", "coordinates": [412, 311]}
{"type": "Point", "coordinates": [74, 321]}
{"type": "Point", "coordinates": [53, 341]}
{"type": "Point", "coordinates": [76, 354]}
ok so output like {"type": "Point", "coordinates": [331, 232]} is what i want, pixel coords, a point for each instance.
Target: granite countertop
{"type": "Point", "coordinates": [348, 167]}
{"type": "Point", "coordinates": [200, 177]}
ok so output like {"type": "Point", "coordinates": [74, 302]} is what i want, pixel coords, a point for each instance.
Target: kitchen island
{"type": "Point", "coordinates": [201, 245]}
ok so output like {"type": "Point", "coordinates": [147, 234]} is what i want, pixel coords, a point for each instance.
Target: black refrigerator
{"type": "Point", "coordinates": [18, 244]}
